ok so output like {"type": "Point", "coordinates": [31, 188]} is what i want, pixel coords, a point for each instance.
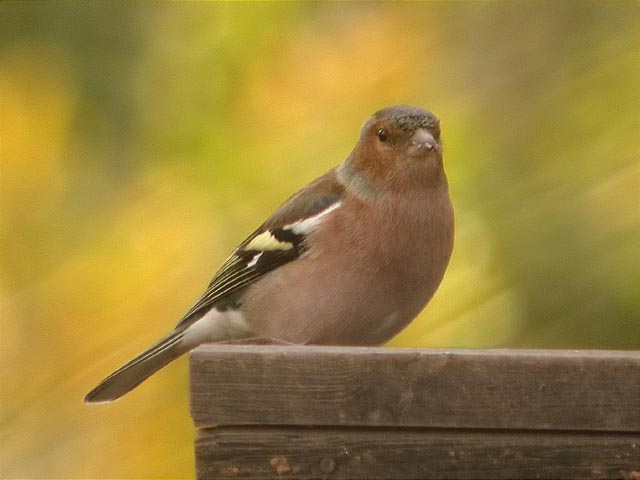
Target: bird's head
{"type": "Point", "coordinates": [403, 131]}
{"type": "Point", "coordinates": [399, 149]}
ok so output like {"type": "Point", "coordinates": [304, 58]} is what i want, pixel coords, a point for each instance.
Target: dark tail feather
{"type": "Point", "coordinates": [130, 375]}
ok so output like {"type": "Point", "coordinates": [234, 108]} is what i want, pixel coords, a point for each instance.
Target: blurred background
{"type": "Point", "coordinates": [139, 143]}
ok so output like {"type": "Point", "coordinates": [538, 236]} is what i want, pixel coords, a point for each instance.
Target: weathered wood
{"type": "Point", "coordinates": [490, 389]}
{"type": "Point", "coordinates": [408, 453]}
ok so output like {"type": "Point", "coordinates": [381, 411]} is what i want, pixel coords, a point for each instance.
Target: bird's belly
{"type": "Point", "coordinates": [311, 304]}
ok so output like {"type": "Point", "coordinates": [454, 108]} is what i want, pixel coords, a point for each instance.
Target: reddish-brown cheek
{"type": "Point", "coordinates": [373, 161]}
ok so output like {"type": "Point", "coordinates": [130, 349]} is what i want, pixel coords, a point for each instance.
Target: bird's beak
{"type": "Point", "coordinates": [422, 143]}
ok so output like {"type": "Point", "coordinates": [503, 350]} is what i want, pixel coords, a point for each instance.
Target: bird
{"type": "Point", "coordinates": [350, 259]}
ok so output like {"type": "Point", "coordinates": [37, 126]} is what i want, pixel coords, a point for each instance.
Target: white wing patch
{"type": "Point", "coordinates": [254, 260]}
{"type": "Point", "coordinates": [302, 227]}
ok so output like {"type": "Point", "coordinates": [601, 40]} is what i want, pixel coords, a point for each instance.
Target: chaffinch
{"type": "Point", "coordinates": [350, 259]}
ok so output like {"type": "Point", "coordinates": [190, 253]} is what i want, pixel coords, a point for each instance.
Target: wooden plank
{"type": "Point", "coordinates": [406, 453]}
{"type": "Point", "coordinates": [275, 385]}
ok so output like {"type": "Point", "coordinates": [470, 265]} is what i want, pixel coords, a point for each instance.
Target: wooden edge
{"type": "Point", "coordinates": [446, 388]}
{"type": "Point", "coordinates": [333, 350]}
{"type": "Point", "coordinates": [383, 453]}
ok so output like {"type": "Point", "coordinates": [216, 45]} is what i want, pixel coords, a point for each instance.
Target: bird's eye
{"type": "Point", "coordinates": [383, 135]}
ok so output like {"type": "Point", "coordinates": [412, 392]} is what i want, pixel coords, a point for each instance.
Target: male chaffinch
{"type": "Point", "coordinates": [350, 259]}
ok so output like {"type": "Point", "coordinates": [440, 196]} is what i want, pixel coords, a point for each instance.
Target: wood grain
{"type": "Point", "coordinates": [342, 386]}
{"type": "Point", "coordinates": [377, 453]}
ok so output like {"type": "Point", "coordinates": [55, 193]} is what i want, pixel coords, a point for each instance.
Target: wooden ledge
{"type": "Point", "coordinates": [342, 412]}
{"type": "Point", "coordinates": [340, 386]}
{"type": "Point", "coordinates": [409, 453]}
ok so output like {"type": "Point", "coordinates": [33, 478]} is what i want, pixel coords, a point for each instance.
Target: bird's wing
{"type": "Point", "coordinates": [276, 242]}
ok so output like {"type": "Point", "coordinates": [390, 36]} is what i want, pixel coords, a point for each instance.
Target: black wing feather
{"type": "Point", "coordinates": [236, 274]}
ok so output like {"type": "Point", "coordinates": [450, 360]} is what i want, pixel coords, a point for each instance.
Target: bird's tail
{"type": "Point", "coordinates": [137, 370]}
